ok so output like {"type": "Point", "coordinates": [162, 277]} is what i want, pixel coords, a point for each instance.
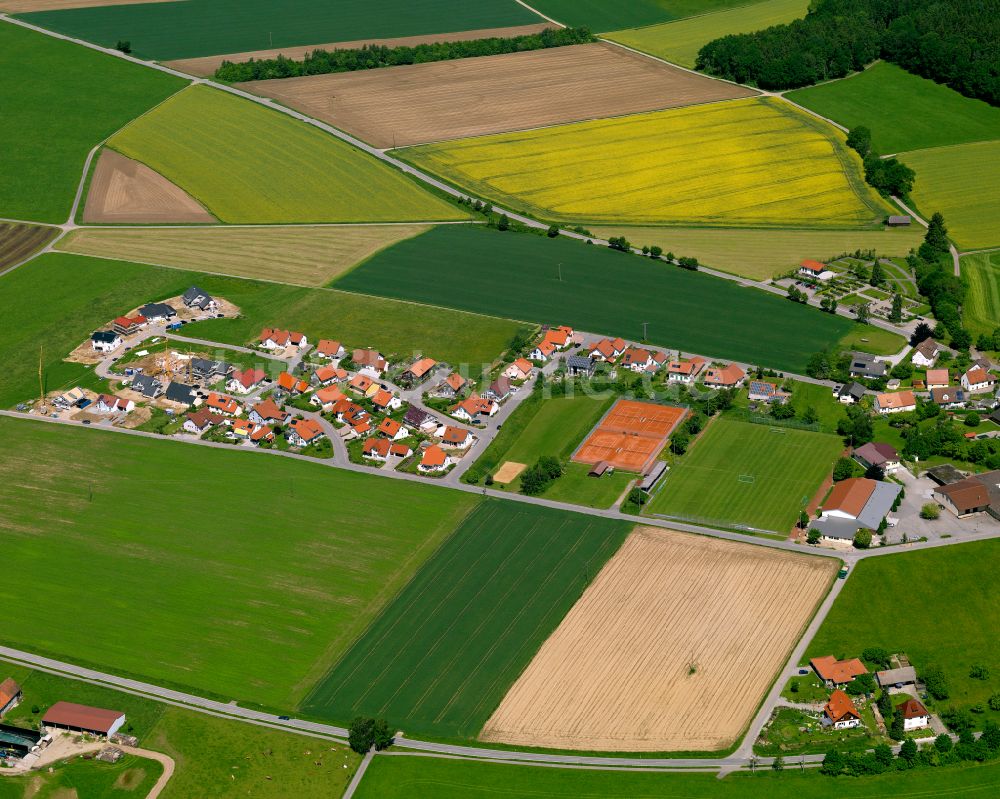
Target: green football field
{"type": "Point", "coordinates": [738, 473]}
{"type": "Point", "coordinates": [434, 778]}
{"type": "Point", "coordinates": [559, 281]}
{"type": "Point", "coordinates": [246, 163]}
{"type": "Point", "coordinates": [902, 110]}
{"type": "Point", "coordinates": [57, 101]}
{"type": "Point", "coordinates": [981, 312]}
{"type": "Point", "coordinates": [441, 657]}
{"type": "Point", "coordinates": [208, 27]}
{"type": "Point", "coordinates": [951, 602]}
{"type": "Point", "coordinates": [84, 293]}
{"type": "Point", "coordinates": [238, 575]}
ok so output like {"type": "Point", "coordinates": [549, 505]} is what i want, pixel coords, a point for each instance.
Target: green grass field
{"type": "Point", "coordinates": [441, 657]}
{"type": "Point", "coordinates": [960, 181]}
{"type": "Point", "coordinates": [239, 575]}
{"type": "Point", "coordinates": [432, 778]}
{"type": "Point", "coordinates": [981, 312]}
{"type": "Point", "coordinates": [902, 110]}
{"type": "Point", "coordinates": [742, 473]}
{"type": "Point", "coordinates": [58, 101]}
{"type": "Point", "coordinates": [945, 625]}
{"type": "Point", "coordinates": [129, 777]}
{"type": "Point", "coordinates": [207, 27]}
{"type": "Point", "coordinates": [762, 254]}
{"type": "Point", "coordinates": [680, 41]}
{"type": "Point", "coordinates": [84, 293]}
{"type": "Point", "coordinates": [756, 162]}
{"type": "Point", "coordinates": [805, 395]}
{"type": "Point", "coordinates": [875, 340]}
{"type": "Point", "coordinates": [601, 291]}
{"type": "Point", "coordinates": [609, 15]}
{"type": "Point", "coordinates": [246, 163]}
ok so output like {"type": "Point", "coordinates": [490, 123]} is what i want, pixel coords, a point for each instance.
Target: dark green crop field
{"type": "Point", "coordinates": [610, 15]}
{"type": "Point", "coordinates": [442, 656]}
{"type": "Point", "coordinates": [57, 101]}
{"type": "Point", "coordinates": [903, 111]}
{"type": "Point", "coordinates": [209, 27]}
{"type": "Point", "coordinates": [600, 291]}
{"type": "Point", "coordinates": [241, 575]}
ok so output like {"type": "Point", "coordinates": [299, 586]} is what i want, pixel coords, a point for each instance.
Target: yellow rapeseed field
{"type": "Point", "coordinates": [745, 162]}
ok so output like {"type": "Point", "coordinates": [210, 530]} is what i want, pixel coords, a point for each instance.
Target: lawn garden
{"type": "Point", "coordinates": [59, 101]}
{"type": "Point", "coordinates": [738, 473]}
{"type": "Point", "coordinates": [981, 312]}
{"type": "Point", "coordinates": [278, 565]}
{"type": "Point", "coordinates": [443, 654]}
{"type": "Point", "coordinates": [248, 164]}
{"type": "Point", "coordinates": [602, 15]}
{"type": "Point", "coordinates": [205, 27]}
{"type": "Point", "coordinates": [595, 289]}
{"type": "Point", "coordinates": [754, 162]}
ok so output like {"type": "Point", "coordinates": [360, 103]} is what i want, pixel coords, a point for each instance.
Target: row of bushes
{"type": "Point", "coordinates": [371, 56]}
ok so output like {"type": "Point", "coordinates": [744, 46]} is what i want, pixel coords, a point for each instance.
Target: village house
{"type": "Point", "coordinates": [326, 398]}
{"type": "Point", "coordinates": [578, 365]}
{"type": "Point", "coordinates": [245, 381]}
{"type": "Point", "coordinates": [226, 406]}
{"type": "Point", "coordinates": [474, 409]}
{"type": "Point", "coordinates": [204, 370]}
{"type": "Point", "coordinates": [636, 359]}
{"type": "Point", "coordinates": [876, 454]}
{"type": "Point", "coordinates": [849, 393]}
{"type": "Point", "coordinates": [194, 297]}
{"type": "Point", "coordinates": [303, 432]}
{"type": "Point", "coordinates": [369, 361]}
{"type": "Point", "coordinates": [267, 412]}
{"type": "Point", "coordinates": [275, 339]}
{"type": "Point", "coordinates": [328, 348]}
{"type": "Point", "coordinates": [762, 391]}
{"type": "Point", "coordinates": [451, 386]}
{"type": "Point", "coordinates": [127, 325]}
{"type": "Point", "coordinates": [731, 376]}
{"type": "Point", "coordinates": [417, 419]}
{"type": "Point", "coordinates": [180, 393]}
{"type": "Point", "coordinates": [607, 349]}
{"type": "Point", "coordinates": [392, 429]}
{"type": "Point", "coordinates": [109, 403]}
{"type": "Point", "coordinates": [241, 428]}
{"type": "Point", "coordinates": [865, 365]}
{"type": "Point", "coordinates": [949, 398]}
{"type": "Point", "coordinates": [815, 270]}
{"type": "Point", "coordinates": [456, 437]}
{"type": "Point", "coordinates": [519, 370]}
{"type": "Point", "coordinates": [363, 384]}
{"type": "Point", "coordinates": [292, 384]}
{"type": "Point", "coordinates": [835, 672]}
{"type": "Point", "coordinates": [201, 420]}
{"type": "Point", "coordinates": [326, 375]}
{"type": "Point", "coordinates": [157, 312]}
{"type": "Point", "coordinates": [376, 449]}
{"type": "Point", "coordinates": [937, 378]}
{"type": "Point", "coordinates": [352, 414]}
{"type": "Point", "coordinates": [105, 341]}
{"type": "Point", "coordinates": [854, 504]}
{"type": "Point", "coordinates": [915, 715]}
{"type": "Point", "coordinates": [926, 353]}
{"type": "Point", "coordinates": [965, 497]}
{"type": "Point", "coordinates": [499, 390]}
{"type": "Point", "coordinates": [147, 385]}
{"type": "Point", "coordinates": [417, 371]}
{"type": "Point", "coordinates": [73, 398]}
{"type": "Point", "coordinates": [385, 401]}
{"type": "Point", "coordinates": [261, 434]}
{"type": "Point", "coordinates": [434, 459]}
{"type": "Point", "coordinates": [840, 712]}
{"type": "Point", "coordinates": [899, 677]}
{"type": "Point", "coordinates": [978, 379]}
{"type": "Point", "coordinates": [10, 695]}
{"type": "Point", "coordinates": [685, 371]}
{"type": "Point", "coordinates": [899, 402]}
{"type": "Point", "coordinates": [543, 351]}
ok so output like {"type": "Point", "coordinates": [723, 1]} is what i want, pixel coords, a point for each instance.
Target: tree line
{"type": "Point", "coordinates": [954, 42]}
{"type": "Point", "coordinates": [371, 56]}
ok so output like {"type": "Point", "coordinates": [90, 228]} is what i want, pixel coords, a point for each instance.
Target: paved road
{"type": "Point", "coordinates": [955, 258]}
{"type": "Point", "coordinates": [359, 774]}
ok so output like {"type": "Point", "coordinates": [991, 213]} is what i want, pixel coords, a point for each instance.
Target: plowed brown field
{"type": "Point", "coordinates": [18, 241]}
{"type": "Point", "coordinates": [206, 65]}
{"type": "Point", "coordinates": [123, 190]}
{"type": "Point", "coordinates": [671, 648]}
{"type": "Point", "coordinates": [421, 103]}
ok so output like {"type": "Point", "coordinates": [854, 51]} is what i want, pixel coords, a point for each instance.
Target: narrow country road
{"type": "Point", "coordinates": [164, 760]}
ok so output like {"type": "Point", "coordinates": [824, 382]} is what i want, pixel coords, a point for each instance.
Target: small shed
{"type": "Point", "coordinates": [898, 221]}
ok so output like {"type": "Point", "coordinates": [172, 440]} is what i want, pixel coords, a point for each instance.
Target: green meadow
{"type": "Point", "coordinates": [981, 312]}
{"type": "Point", "coordinates": [609, 15]}
{"type": "Point", "coordinates": [441, 657]}
{"type": "Point", "coordinates": [944, 626]}
{"type": "Point", "coordinates": [242, 576]}
{"type": "Point", "coordinates": [592, 288]}
{"type": "Point", "coordinates": [902, 110]}
{"type": "Point", "coordinates": [58, 101]}
{"type": "Point", "coordinates": [207, 27]}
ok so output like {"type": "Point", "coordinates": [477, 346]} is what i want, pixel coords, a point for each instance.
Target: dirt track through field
{"type": "Point", "coordinates": [206, 65]}
{"type": "Point", "coordinates": [671, 648]}
{"type": "Point", "coordinates": [123, 190]}
{"type": "Point", "coordinates": [302, 255]}
{"type": "Point", "coordinates": [419, 103]}
{"type": "Point", "coordinates": [28, 6]}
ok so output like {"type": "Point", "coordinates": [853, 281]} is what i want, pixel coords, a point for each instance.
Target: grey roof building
{"type": "Point", "coordinates": [580, 365]}
{"type": "Point", "coordinates": [855, 504]}
{"type": "Point", "coordinates": [865, 365]}
{"type": "Point", "coordinates": [147, 385]}
{"type": "Point", "coordinates": [180, 392]}
{"type": "Point", "coordinates": [194, 297]}
{"type": "Point", "coordinates": [905, 675]}
{"type": "Point", "coordinates": [851, 392]}
{"type": "Point", "coordinates": [157, 310]}
{"type": "Point", "coordinates": [204, 369]}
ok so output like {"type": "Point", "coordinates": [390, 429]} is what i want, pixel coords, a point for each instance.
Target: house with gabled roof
{"type": "Point", "coordinates": [303, 432]}
{"type": "Point", "coordinates": [369, 361]}
{"type": "Point", "coordinates": [606, 349]}
{"type": "Point", "coordinates": [763, 391]}
{"type": "Point", "coordinates": [978, 379]}
{"type": "Point", "coordinates": [915, 715]}
{"type": "Point", "coordinates": [434, 459]}
{"type": "Point", "coordinates": [127, 325]}
{"type": "Point", "coordinates": [816, 270]}
{"type": "Point", "coordinates": [854, 504]}
{"type": "Point", "coordinates": [10, 695]}
{"type": "Point", "coordinates": [543, 350]}
{"type": "Point", "coordinates": [937, 378]}
{"type": "Point", "coordinates": [474, 409]}
{"type": "Point", "coordinates": [326, 375]}
{"type": "Point", "coordinates": [326, 398]}
{"type": "Point", "coordinates": [519, 370]}
{"type": "Point", "coordinates": [385, 401]}
{"type": "Point", "coordinates": [328, 348]}
{"type": "Point", "coordinates": [499, 389]}
{"type": "Point", "coordinates": [157, 311]}
{"type": "Point", "coordinates": [201, 420]}
{"type": "Point", "coordinates": [363, 384]}
{"type": "Point", "coordinates": [194, 297]}
{"type": "Point", "coordinates": [417, 371]}
{"type": "Point", "coordinates": [949, 398]}
{"type": "Point", "coordinates": [840, 712]}
{"type": "Point", "coordinates": [245, 381]}
{"type": "Point", "coordinates": [456, 437]}
{"type": "Point", "coordinates": [105, 341]}
{"type": "Point", "coordinates": [636, 359]}
{"type": "Point", "coordinates": [417, 419]}
{"type": "Point", "coordinates": [109, 403]}
{"type": "Point", "coordinates": [226, 406]}
{"type": "Point", "coordinates": [292, 384]}
{"type": "Point", "coordinates": [898, 402]}
{"type": "Point", "coordinates": [685, 371]}
{"type": "Point", "coordinates": [147, 385]}
{"type": "Point", "coordinates": [392, 429]}
{"type": "Point", "coordinates": [849, 393]}
{"type": "Point", "coordinates": [272, 338]}
{"type": "Point", "coordinates": [865, 365]}
{"type": "Point", "coordinates": [267, 412]}
{"type": "Point", "coordinates": [179, 392]}
{"type": "Point", "coordinates": [451, 386]}
{"type": "Point", "coordinates": [835, 672]}
{"type": "Point", "coordinates": [883, 456]}
{"type": "Point", "coordinates": [731, 376]}
{"type": "Point", "coordinates": [926, 353]}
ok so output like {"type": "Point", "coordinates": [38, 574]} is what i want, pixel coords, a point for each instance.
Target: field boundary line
{"type": "Point", "coordinates": [539, 13]}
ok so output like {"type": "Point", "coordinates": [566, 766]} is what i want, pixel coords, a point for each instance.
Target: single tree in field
{"type": "Point", "coordinates": [896, 314]}
{"type": "Point", "coordinates": [878, 275]}
{"type": "Point", "coordinates": [936, 238]}
{"type": "Point", "coordinates": [361, 734]}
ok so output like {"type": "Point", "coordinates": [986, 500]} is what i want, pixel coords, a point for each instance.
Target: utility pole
{"type": "Point", "coordinates": [644, 336]}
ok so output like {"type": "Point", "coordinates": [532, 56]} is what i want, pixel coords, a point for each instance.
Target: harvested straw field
{"type": "Point", "coordinates": [671, 648]}
{"type": "Point", "coordinates": [300, 255]}
{"type": "Point", "coordinates": [423, 103]}
{"type": "Point", "coordinates": [630, 436]}
{"type": "Point", "coordinates": [206, 65]}
{"type": "Point", "coordinates": [123, 190]}
{"type": "Point", "coordinates": [748, 162]}
{"type": "Point", "coordinates": [18, 241]}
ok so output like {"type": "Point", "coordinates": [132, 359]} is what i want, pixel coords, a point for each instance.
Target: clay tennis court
{"type": "Point", "coordinates": [420, 103]}
{"type": "Point", "coordinates": [206, 65]}
{"type": "Point", "coordinates": [631, 435]}
{"type": "Point", "coordinates": [671, 648]}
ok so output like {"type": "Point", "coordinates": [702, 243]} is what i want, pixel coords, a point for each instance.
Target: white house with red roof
{"type": "Point", "coordinates": [978, 379]}
{"type": "Point", "coordinates": [731, 376]}
{"type": "Point", "coordinates": [685, 371]}
{"type": "Point", "coordinates": [328, 348]}
{"type": "Point", "coordinates": [607, 349]}
{"type": "Point", "coordinates": [274, 339]}
{"type": "Point", "coordinates": [815, 270]}
{"type": "Point", "coordinates": [519, 370]}
{"type": "Point", "coordinates": [302, 432]}
{"type": "Point", "coordinates": [434, 459]}
{"type": "Point", "coordinates": [246, 381]}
